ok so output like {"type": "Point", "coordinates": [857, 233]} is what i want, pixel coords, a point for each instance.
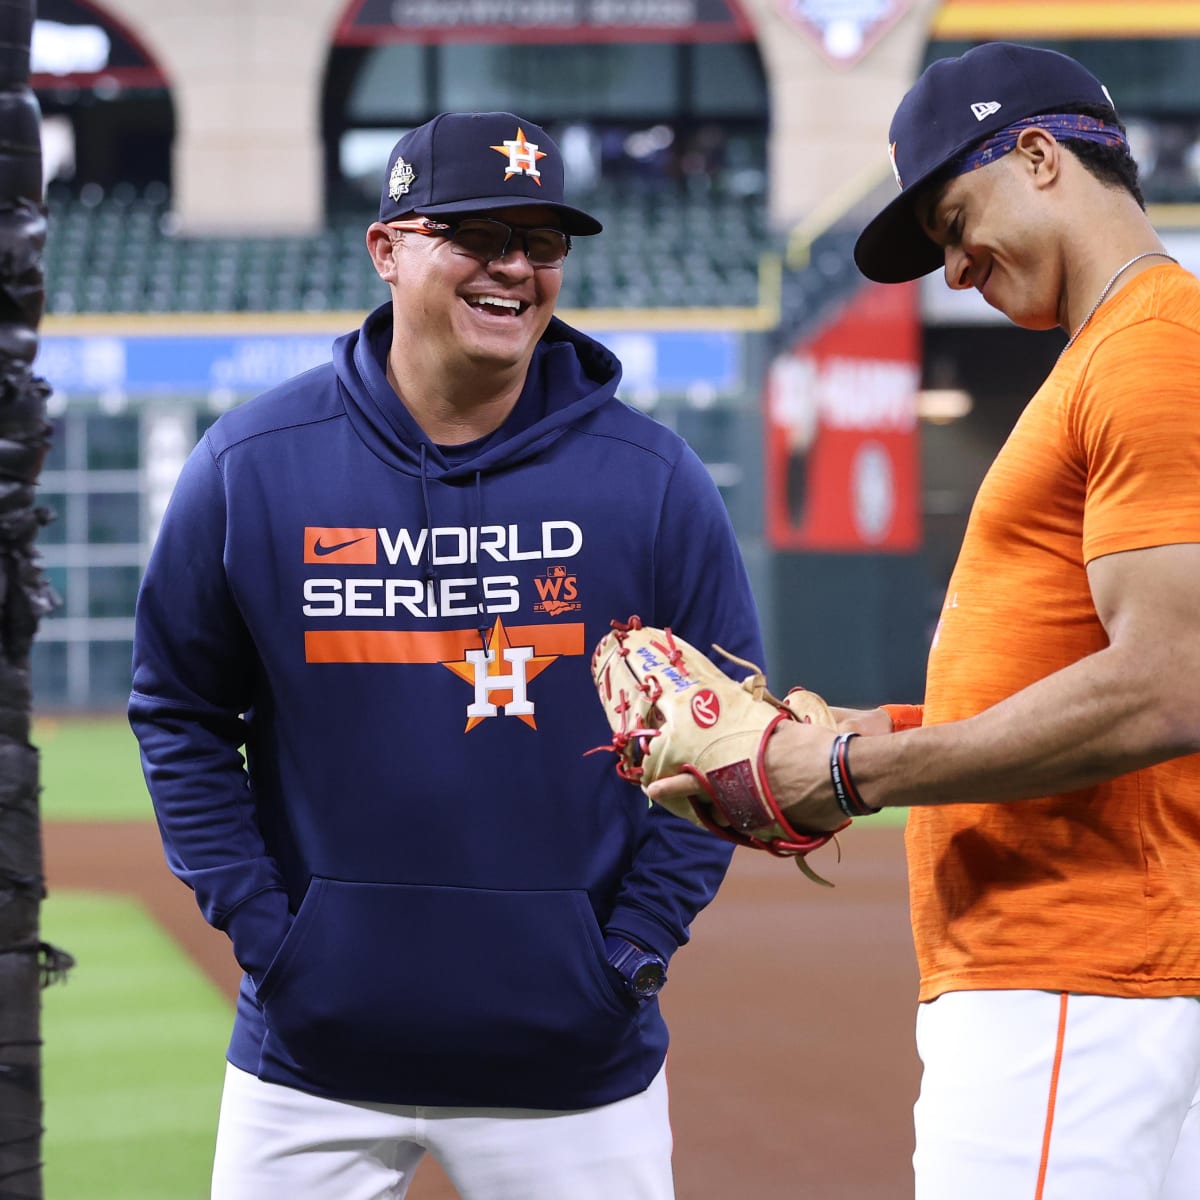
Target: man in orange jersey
{"type": "Point", "coordinates": [1052, 772]}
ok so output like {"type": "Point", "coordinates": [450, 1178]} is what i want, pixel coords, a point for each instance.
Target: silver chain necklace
{"type": "Point", "coordinates": [1108, 287]}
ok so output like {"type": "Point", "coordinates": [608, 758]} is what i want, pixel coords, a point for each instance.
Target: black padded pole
{"type": "Point", "coordinates": [26, 964]}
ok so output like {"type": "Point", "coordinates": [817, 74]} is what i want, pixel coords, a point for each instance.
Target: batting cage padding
{"type": "Point", "coordinates": [25, 963]}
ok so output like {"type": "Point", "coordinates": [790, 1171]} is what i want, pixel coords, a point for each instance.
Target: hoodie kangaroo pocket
{"type": "Point", "coordinates": [379, 981]}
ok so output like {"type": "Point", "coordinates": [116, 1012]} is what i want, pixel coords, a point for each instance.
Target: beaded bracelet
{"type": "Point", "coordinates": [848, 797]}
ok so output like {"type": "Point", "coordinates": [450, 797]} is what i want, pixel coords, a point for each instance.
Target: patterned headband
{"type": "Point", "coordinates": [1060, 125]}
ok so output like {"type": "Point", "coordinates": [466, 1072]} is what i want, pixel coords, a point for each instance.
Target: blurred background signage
{"type": "Point", "coordinates": [76, 44]}
{"type": "Point", "coordinates": [845, 29]}
{"type": "Point", "coordinates": [379, 20]}
{"type": "Point", "coordinates": [227, 368]}
{"type": "Point", "coordinates": [841, 451]}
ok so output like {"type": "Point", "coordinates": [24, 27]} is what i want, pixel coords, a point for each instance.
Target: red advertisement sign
{"type": "Point", "coordinates": [841, 455]}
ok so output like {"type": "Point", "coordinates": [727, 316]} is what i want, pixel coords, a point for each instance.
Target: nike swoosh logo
{"type": "Point", "coordinates": [319, 549]}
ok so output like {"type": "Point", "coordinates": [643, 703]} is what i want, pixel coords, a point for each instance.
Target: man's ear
{"type": "Point", "coordinates": [380, 240]}
{"type": "Point", "coordinates": [1040, 155]}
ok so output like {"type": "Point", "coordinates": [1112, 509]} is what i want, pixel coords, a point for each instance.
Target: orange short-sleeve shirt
{"type": "Point", "coordinates": [1097, 891]}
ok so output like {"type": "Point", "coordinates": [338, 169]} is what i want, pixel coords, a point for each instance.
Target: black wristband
{"type": "Point", "coordinates": [848, 798]}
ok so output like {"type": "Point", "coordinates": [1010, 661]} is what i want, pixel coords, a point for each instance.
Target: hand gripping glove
{"type": "Point", "coordinates": [673, 712]}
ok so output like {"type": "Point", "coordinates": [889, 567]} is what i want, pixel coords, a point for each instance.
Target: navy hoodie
{"type": "Point", "coordinates": [416, 863]}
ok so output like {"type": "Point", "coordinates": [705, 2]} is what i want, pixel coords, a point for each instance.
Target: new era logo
{"type": "Point", "coordinates": [984, 108]}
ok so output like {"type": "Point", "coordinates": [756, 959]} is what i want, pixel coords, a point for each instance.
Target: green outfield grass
{"type": "Point", "coordinates": [90, 770]}
{"type": "Point", "coordinates": [133, 1058]}
{"type": "Point", "coordinates": [135, 1039]}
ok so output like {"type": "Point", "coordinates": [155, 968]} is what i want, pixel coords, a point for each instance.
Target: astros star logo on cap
{"type": "Point", "coordinates": [522, 157]}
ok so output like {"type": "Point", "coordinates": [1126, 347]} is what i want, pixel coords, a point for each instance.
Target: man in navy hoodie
{"type": "Point", "coordinates": [383, 579]}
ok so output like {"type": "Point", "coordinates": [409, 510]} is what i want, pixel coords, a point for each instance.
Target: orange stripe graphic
{"type": "Point", "coordinates": [430, 646]}
{"type": "Point", "coordinates": [1058, 1057]}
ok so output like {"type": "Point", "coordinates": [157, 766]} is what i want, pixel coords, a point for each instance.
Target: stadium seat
{"type": "Point", "coordinates": [115, 251]}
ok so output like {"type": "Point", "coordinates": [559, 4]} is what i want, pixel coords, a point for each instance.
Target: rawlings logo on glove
{"type": "Point", "coordinates": [674, 712]}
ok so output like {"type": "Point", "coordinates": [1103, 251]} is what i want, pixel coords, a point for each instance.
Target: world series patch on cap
{"type": "Point", "coordinates": [477, 162]}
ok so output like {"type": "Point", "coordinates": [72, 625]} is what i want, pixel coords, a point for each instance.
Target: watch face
{"type": "Point", "coordinates": [648, 979]}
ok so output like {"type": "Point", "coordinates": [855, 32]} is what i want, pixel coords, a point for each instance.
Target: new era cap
{"type": "Point", "coordinates": [956, 103]}
{"type": "Point", "coordinates": [471, 162]}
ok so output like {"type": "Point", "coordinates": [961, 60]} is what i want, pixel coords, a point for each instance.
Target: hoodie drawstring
{"type": "Point", "coordinates": [427, 571]}
{"type": "Point", "coordinates": [480, 599]}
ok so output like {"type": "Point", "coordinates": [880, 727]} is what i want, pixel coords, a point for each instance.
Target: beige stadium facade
{"type": "Point", "coordinates": [245, 78]}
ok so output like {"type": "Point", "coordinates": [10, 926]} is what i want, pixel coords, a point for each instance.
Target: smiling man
{"type": "Point", "coordinates": [1052, 771]}
{"type": "Point", "coordinates": [384, 579]}
{"type": "Point", "coordinates": [471, 240]}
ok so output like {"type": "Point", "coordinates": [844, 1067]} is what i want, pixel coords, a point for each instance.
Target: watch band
{"type": "Point", "coordinates": [643, 971]}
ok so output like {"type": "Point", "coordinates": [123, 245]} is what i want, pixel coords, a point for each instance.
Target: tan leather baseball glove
{"type": "Point", "coordinates": [673, 711]}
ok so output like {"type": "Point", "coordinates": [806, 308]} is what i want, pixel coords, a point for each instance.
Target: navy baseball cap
{"type": "Point", "coordinates": [474, 162]}
{"type": "Point", "coordinates": [956, 103]}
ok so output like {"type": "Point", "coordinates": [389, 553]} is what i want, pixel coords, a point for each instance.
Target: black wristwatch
{"type": "Point", "coordinates": [643, 971]}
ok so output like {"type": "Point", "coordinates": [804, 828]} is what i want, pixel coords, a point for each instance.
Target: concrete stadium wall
{"type": "Point", "coordinates": [246, 77]}
{"type": "Point", "coordinates": [829, 123]}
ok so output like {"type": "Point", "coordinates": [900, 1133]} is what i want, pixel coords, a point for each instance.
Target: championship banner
{"type": "Point", "coordinates": [844, 30]}
{"type": "Point", "coordinates": [840, 411]}
{"type": "Point", "coordinates": [372, 22]}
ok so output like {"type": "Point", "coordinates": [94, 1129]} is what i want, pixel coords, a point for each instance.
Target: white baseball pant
{"type": "Point", "coordinates": [1030, 1095]}
{"type": "Point", "coordinates": [277, 1143]}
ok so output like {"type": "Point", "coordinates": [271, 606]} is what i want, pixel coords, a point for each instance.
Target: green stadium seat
{"type": "Point", "coordinates": [114, 252]}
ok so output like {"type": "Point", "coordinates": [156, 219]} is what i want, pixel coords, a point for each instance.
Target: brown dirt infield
{"type": "Point", "coordinates": [792, 1067]}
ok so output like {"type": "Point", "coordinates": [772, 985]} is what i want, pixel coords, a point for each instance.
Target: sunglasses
{"type": "Point", "coordinates": [486, 240]}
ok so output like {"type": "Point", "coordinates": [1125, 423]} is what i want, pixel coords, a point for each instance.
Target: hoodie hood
{"type": "Point", "coordinates": [570, 375]}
